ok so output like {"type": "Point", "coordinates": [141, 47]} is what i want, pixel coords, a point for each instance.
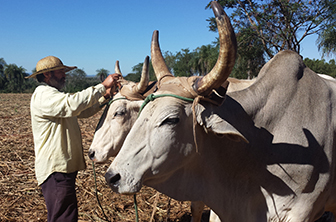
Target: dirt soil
{"type": "Point", "coordinates": [22, 200]}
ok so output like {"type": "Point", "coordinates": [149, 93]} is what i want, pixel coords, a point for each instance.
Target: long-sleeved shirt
{"type": "Point", "coordinates": [57, 136]}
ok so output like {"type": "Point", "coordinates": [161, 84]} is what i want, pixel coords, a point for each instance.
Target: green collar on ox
{"type": "Point", "coordinates": [151, 97]}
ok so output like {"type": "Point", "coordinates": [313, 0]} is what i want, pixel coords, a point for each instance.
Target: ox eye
{"type": "Point", "coordinates": [119, 113]}
{"type": "Point", "coordinates": [170, 121]}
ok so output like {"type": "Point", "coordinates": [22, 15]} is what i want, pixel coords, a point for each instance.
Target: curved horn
{"type": "Point", "coordinates": [117, 67]}
{"type": "Point", "coordinates": [227, 54]}
{"type": "Point", "coordinates": [159, 65]}
{"type": "Point", "coordinates": [142, 85]}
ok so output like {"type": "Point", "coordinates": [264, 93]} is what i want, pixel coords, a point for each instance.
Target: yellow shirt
{"type": "Point", "coordinates": [57, 136]}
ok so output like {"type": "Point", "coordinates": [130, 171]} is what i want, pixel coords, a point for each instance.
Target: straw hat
{"type": "Point", "coordinates": [50, 63]}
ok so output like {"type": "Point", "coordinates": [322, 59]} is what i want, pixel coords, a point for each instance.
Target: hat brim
{"type": "Point", "coordinates": [66, 69]}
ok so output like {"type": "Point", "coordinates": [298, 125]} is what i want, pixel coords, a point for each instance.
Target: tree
{"type": "Point", "coordinates": [135, 75]}
{"type": "Point", "coordinates": [183, 63]}
{"type": "Point", "coordinates": [204, 59]}
{"type": "Point", "coordinates": [170, 60]}
{"type": "Point", "coordinates": [14, 78]}
{"type": "Point", "coordinates": [279, 24]}
{"type": "Point", "coordinates": [76, 81]}
{"type": "Point", "coordinates": [327, 39]}
{"type": "Point", "coordinates": [102, 74]}
{"type": "Point", "coordinates": [250, 56]}
{"type": "Point", "coordinates": [2, 74]}
{"type": "Point", "coordinates": [321, 66]}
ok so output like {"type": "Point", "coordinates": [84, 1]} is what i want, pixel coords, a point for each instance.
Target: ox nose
{"type": "Point", "coordinates": [91, 154]}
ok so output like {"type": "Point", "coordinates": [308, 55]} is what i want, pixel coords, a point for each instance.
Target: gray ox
{"type": "Point", "coordinates": [265, 154]}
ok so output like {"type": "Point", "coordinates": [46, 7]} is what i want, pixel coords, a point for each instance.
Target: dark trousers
{"type": "Point", "coordinates": [60, 196]}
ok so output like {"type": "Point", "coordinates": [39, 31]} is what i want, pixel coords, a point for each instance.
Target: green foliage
{"type": "Point", "coordinates": [321, 66]}
{"type": "Point", "coordinates": [327, 38]}
{"type": "Point", "coordinates": [200, 62]}
{"type": "Point", "coordinates": [189, 63]}
{"type": "Point", "coordinates": [183, 63]}
{"type": "Point", "coordinates": [204, 59]}
{"type": "Point", "coordinates": [250, 57]}
{"type": "Point", "coordinates": [77, 80]}
{"type": "Point", "coordinates": [2, 73]}
{"type": "Point", "coordinates": [279, 24]}
{"type": "Point", "coordinates": [135, 75]}
{"type": "Point", "coordinates": [102, 74]}
{"type": "Point", "coordinates": [327, 41]}
{"type": "Point", "coordinates": [13, 79]}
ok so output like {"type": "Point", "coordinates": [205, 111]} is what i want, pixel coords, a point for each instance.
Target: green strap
{"type": "Point", "coordinates": [136, 208]}
{"type": "Point", "coordinates": [151, 97]}
{"type": "Point", "coordinates": [112, 100]}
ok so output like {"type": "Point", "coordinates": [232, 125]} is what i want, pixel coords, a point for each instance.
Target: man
{"type": "Point", "coordinates": [57, 137]}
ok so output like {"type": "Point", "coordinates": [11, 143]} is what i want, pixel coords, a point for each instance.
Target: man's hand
{"type": "Point", "coordinates": [110, 83]}
{"type": "Point", "coordinates": [111, 80]}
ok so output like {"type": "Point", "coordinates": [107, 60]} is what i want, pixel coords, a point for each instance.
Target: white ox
{"type": "Point", "coordinates": [120, 115]}
{"type": "Point", "coordinates": [265, 154]}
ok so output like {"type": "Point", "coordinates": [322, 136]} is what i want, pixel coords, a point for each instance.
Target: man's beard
{"type": "Point", "coordinates": [57, 83]}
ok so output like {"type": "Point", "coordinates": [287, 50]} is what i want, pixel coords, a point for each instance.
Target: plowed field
{"type": "Point", "coordinates": [22, 200]}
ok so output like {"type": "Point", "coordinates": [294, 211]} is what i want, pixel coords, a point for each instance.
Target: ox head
{"type": "Point", "coordinates": [119, 116]}
{"type": "Point", "coordinates": [164, 138]}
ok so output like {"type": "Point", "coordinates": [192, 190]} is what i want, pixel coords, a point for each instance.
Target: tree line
{"type": "Point", "coordinates": [183, 63]}
{"type": "Point", "coordinates": [263, 28]}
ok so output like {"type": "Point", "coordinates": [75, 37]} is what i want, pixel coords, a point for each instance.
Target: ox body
{"type": "Point", "coordinates": [267, 153]}
{"type": "Point", "coordinates": [286, 171]}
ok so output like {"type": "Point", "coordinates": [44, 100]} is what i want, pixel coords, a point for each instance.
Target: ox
{"type": "Point", "coordinates": [265, 154]}
{"type": "Point", "coordinates": [121, 114]}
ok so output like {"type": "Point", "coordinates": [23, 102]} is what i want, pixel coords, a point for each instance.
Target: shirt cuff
{"type": "Point", "coordinates": [101, 88]}
{"type": "Point", "coordinates": [102, 100]}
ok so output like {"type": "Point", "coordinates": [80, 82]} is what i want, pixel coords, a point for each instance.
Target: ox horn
{"type": "Point", "coordinates": [227, 54]}
{"type": "Point", "coordinates": [159, 65]}
{"type": "Point", "coordinates": [117, 68]}
{"type": "Point", "coordinates": [142, 85]}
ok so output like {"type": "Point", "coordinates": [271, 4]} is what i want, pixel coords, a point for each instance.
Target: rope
{"type": "Point", "coordinates": [111, 101]}
{"type": "Point", "coordinates": [136, 209]}
{"type": "Point", "coordinates": [96, 191]}
{"type": "Point", "coordinates": [93, 166]}
{"type": "Point", "coordinates": [151, 97]}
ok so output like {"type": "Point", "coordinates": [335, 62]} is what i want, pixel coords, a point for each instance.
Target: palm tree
{"type": "Point", "coordinates": [204, 59]}
{"type": "Point", "coordinates": [102, 74]}
{"type": "Point", "coordinates": [327, 41]}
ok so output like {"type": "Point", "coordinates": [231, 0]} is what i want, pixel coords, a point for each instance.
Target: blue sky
{"type": "Point", "coordinates": [94, 34]}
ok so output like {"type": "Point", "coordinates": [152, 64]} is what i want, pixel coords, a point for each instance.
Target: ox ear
{"type": "Point", "coordinates": [214, 123]}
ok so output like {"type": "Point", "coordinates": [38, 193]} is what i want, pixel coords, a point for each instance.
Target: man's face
{"type": "Point", "coordinates": [56, 79]}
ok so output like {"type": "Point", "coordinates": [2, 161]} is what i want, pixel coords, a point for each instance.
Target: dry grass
{"type": "Point", "coordinates": [22, 200]}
